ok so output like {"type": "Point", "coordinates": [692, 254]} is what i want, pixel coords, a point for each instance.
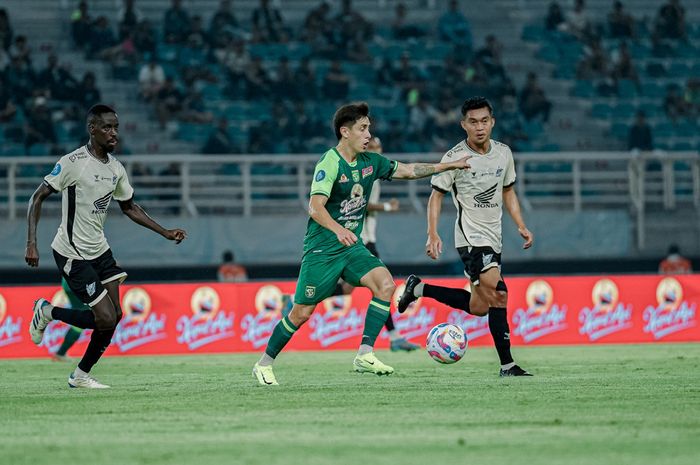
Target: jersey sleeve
{"type": "Point", "coordinates": [325, 175]}
{"type": "Point", "coordinates": [385, 167]}
{"type": "Point", "coordinates": [63, 174]}
{"type": "Point", "coordinates": [509, 175]}
{"type": "Point", "coordinates": [123, 190]}
{"type": "Point", "coordinates": [442, 182]}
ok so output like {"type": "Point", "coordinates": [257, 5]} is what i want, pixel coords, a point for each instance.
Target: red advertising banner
{"type": "Point", "coordinates": [215, 317]}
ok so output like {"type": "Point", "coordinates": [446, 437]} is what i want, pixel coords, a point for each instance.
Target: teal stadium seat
{"type": "Point", "coordinates": [601, 110]}
{"type": "Point", "coordinates": [583, 89]}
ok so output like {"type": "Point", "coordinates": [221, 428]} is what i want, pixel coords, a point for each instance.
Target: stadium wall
{"type": "Point", "coordinates": [222, 318]}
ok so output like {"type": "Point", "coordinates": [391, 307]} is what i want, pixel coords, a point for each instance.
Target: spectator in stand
{"type": "Point", "coordinates": [168, 102]}
{"type": "Point", "coordinates": [640, 137]}
{"type": "Point", "coordinates": [620, 23]}
{"type": "Point", "coordinates": [259, 138]}
{"type": "Point", "coordinates": [317, 24]}
{"type": "Point", "coordinates": [176, 23]}
{"type": "Point", "coordinates": [348, 22]}
{"type": "Point", "coordinates": [554, 18]}
{"type": "Point", "coordinates": [220, 140]}
{"type": "Point", "coordinates": [81, 26]}
{"type": "Point", "coordinates": [101, 38]}
{"type": "Point", "coordinates": [230, 271]}
{"type": "Point", "coordinates": [304, 129]}
{"type": "Point", "coordinates": [533, 102]}
{"type": "Point", "coordinates": [39, 127]}
{"type": "Point", "coordinates": [236, 60]}
{"type": "Point", "coordinates": [305, 80]}
{"type": "Point", "coordinates": [197, 37]}
{"type": "Point", "coordinates": [674, 262]}
{"type": "Point", "coordinates": [407, 77]}
{"type": "Point", "coordinates": [193, 108]}
{"type": "Point", "coordinates": [20, 79]}
{"type": "Point", "coordinates": [282, 81]}
{"type": "Point", "coordinates": [453, 27]}
{"type": "Point", "coordinates": [88, 92]}
{"type": "Point", "coordinates": [336, 83]}
{"type": "Point", "coordinates": [675, 105]}
{"type": "Point", "coordinates": [267, 20]}
{"type": "Point", "coordinates": [692, 95]}
{"type": "Point", "coordinates": [421, 121]}
{"type": "Point", "coordinates": [4, 63]}
{"type": "Point", "coordinates": [623, 66]}
{"type": "Point", "coordinates": [578, 24]}
{"type": "Point", "coordinates": [128, 18]}
{"type": "Point", "coordinates": [58, 80]}
{"type": "Point", "coordinates": [223, 23]}
{"type": "Point", "coordinates": [401, 28]}
{"type": "Point", "coordinates": [670, 21]}
{"type": "Point", "coordinates": [511, 125]}
{"type": "Point", "coordinates": [20, 49]}
{"type": "Point", "coordinates": [258, 83]}
{"type": "Point", "coordinates": [8, 110]}
{"type": "Point", "coordinates": [145, 38]}
{"type": "Point", "coordinates": [594, 64]}
{"type": "Point", "coordinates": [151, 79]}
{"type": "Point", "coordinates": [5, 29]}
{"type": "Point", "coordinates": [490, 58]}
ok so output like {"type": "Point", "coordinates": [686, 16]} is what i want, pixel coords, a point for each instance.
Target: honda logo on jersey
{"type": "Point", "coordinates": [102, 203]}
{"type": "Point", "coordinates": [483, 199]}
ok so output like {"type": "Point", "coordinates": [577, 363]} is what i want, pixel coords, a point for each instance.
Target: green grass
{"type": "Point", "coordinates": [623, 404]}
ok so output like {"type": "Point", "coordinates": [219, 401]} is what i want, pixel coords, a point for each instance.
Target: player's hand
{"type": "Point", "coordinates": [528, 236]}
{"type": "Point", "coordinates": [31, 255]}
{"type": "Point", "coordinates": [393, 205]}
{"type": "Point", "coordinates": [177, 235]}
{"type": "Point", "coordinates": [462, 163]}
{"type": "Point", "coordinates": [433, 248]}
{"type": "Point", "coordinates": [346, 237]}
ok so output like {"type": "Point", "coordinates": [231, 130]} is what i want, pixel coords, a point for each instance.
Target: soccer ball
{"type": "Point", "coordinates": [446, 343]}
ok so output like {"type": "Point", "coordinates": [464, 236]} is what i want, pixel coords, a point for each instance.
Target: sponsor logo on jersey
{"type": "Point", "coordinates": [97, 177]}
{"type": "Point", "coordinates": [607, 315]}
{"type": "Point", "coordinates": [9, 327]}
{"type": "Point", "coordinates": [56, 170]}
{"type": "Point", "coordinates": [320, 176]}
{"type": "Point", "coordinates": [77, 156]}
{"type": "Point", "coordinates": [367, 171]}
{"type": "Point", "coordinates": [340, 321]}
{"type": "Point", "coordinates": [672, 313]}
{"type": "Point", "coordinates": [542, 315]}
{"type": "Point", "coordinates": [354, 204]}
{"type": "Point", "coordinates": [343, 178]}
{"type": "Point", "coordinates": [102, 204]}
{"type": "Point", "coordinates": [140, 325]}
{"type": "Point", "coordinates": [351, 225]}
{"type": "Point", "coordinates": [208, 323]}
{"type": "Point", "coordinates": [483, 199]}
{"type": "Point", "coordinates": [355, 175]}
{"type": "Point", "coordinates": [257, 328]}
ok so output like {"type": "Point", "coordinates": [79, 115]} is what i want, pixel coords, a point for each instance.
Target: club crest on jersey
{"type": "Point", "coordinates": [367, 171]}
{"type": "Point", "coordinates": [499, 171]}
{"type": "Point", "coordinates": [114, 180]}
{"type": "Point", "coordinates": [356, 176]}
{"type": "Point", "coordinates": [343, 178]}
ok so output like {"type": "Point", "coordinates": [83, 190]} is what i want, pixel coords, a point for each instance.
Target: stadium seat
{"type": "Point", "coordinates": [583, 89]}
{"type": "Point", "coordinates": [626, 89]}
{"type": "Point", "coordinates": [601, 110]}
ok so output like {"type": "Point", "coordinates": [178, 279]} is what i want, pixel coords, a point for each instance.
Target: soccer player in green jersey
{"type": "Point", "coordinates": [340, 191]}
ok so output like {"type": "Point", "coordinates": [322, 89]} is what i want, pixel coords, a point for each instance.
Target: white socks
{"type": "Point", "coordinates": [418, 290]}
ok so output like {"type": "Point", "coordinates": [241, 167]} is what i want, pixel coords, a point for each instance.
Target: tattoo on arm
{"type": "Point", "coordinates": [421, 170]}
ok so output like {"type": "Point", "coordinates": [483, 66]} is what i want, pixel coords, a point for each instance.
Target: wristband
{"type": "Point", "coordinates": [387, 207]}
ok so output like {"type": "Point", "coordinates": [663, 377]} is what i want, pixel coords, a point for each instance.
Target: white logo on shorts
{"type": "Point", "coordinates": [310, 291]}
{"type": "Point", "coordinates": [487, 258]}
{"type": "Point", "coordinates": [90, 288]}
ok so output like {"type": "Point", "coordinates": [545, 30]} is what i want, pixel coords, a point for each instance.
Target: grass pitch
{"type": "Point", "coordinates": [586, 405]}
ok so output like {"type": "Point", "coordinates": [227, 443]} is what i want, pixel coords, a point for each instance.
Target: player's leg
{"type": "Point", "coordinates": [493, 289]}
{"type": "Point", "coordinates": [318, 278]}
{"type": "Point", "coordinates": [366, 270]}
{"type": "Point", "coordinates": [453, 297]}
{"type": "Point", "coordinates": [73, 333]}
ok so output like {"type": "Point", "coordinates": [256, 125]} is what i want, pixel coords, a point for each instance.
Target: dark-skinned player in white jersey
{"type": "Point", "coordinates": [88, 179]}
{"type": "Point", "coordinates": [479, 196]}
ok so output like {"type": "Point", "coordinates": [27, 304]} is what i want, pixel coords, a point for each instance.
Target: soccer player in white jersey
{"type": "Point", "coordinates": [479, 196]}
{"type": "Point", "coordinates": [88, 178]}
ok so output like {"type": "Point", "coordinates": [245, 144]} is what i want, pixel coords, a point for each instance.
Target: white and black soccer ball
{"type": "Point", "coordinates": [446, 343]}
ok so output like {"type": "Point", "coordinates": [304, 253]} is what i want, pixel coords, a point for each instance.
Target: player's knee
{"type": "Point", "coordinates": [496, 297]}
{"type": "Point", "coordinates": [300, 314]}
{"type": "Point", "coordinates": [386, 289]}
{"type": "Point", "coordinates": [105, 321]}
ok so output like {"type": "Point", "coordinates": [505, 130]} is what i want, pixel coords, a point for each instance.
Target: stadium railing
{"type": "Point", "coordinates": [245, 185]}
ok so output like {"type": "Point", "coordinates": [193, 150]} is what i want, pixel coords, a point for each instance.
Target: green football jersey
{"type": "Point", "coordinates": [347, 186]}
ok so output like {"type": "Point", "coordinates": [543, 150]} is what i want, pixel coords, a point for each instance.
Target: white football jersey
{"type": "Point", "coordinates": [369, 230]}
{"type": "Point", "coordinates": [478, 193]}
{"type": "Point", "coordinates": [88, 186]}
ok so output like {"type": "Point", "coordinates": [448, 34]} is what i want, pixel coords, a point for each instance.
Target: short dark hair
{"type": "Point", "coordinates": [474, 103]}
{"type": "Point", "coordinates": [673, 249]}
{"type": "Point", "coordinates": [97, 110]}
{"type": "Point", "coordinates": [227, 256]}
{"type": "Point", "coordinates": [349, 114]}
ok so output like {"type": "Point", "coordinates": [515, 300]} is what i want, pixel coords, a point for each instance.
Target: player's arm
{"type": "Point", "coordinates": [31, 253]}
{"type": "Point", "coordinates": [390, 206]}
{"type": "Point", "coordinates": [433, 248]}
{"type": "Point", "coordinates": [510, 201]}
{"type": "Point", "coordinates": [139, 216]}
{"type": "Point", "coordinates": [319, 213]}
{"type": "Point", "coordinates": [423, 170]}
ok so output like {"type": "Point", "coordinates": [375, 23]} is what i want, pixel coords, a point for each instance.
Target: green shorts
{"type": "Point", "coordinates": [319, 273]}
